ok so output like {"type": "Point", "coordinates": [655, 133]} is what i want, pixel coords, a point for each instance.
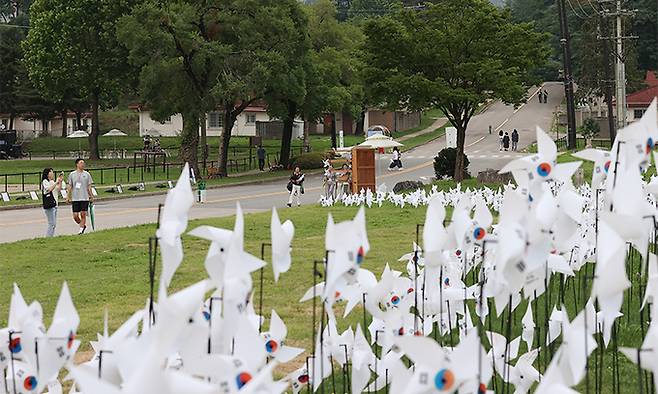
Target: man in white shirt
{"type": "Point", "coordinates": [79, 193]}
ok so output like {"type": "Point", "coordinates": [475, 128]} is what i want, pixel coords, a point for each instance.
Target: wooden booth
{"type": "Point", "coordinates": [363, 169]}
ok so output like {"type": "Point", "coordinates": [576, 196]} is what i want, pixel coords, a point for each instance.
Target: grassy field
{"type": "Point", "coordinates": [113, 274]}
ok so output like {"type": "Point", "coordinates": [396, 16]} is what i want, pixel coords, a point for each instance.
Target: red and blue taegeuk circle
{"type": "Point", "coordinates": [479, 233]}
{"type": "Point", "coordinates": [30, 383]}
{"type": "Point", "coordinates": [544, 169]}
{"type": "Point", "coordinates": [482, 389]}
{"type": "Point", "coordinates": [242, 379]}
{"type": "Point", "coordinates": [649, 145]}
{"type": "Point", "coordinates": [360, 255]}
{"type": "Point", "coordinates": [444, 380]}
{"type": "Point", "coordinates": [303, 378]}
{"type": "Point", "coordinates": [395, 300]}
{"type": "Point", "coordinates": [271, 346]}
{"type": "Point", "coordinates": [15, 345]}
{"type": "Point", "coordinates": [70, 339]}
{"type": "Point", "coordinates": [606, 166]}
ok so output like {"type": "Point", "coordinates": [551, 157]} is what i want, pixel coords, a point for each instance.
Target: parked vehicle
{"type": "Point", "coordinates": [9, 146]}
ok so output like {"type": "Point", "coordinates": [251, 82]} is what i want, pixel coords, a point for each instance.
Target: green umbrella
{"type": "Point", "coordinates": [91, 215]}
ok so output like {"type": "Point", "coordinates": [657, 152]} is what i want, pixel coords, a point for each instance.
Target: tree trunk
{"type": "Point", "coordinates": [94, 153]}
{"type": "Point", "coordinates": [333, 130]}
{"type": "Point", "coordinates": [459, 159]}
{"type": "Point", "coordinates": [190, 141]}
{"type": "Point", "coordinates": [64, 122]}
{"type": "Point", "coordinates": [288, 122]}
{"type": "Point", "coordinates": [225, 138]}
{"type": "Point", "coordinates": [78, 120]}
{"type": "Point", "coordinates": [11, 120]}
{"type": "Point", "coordinates": [203, 141]}
{"type": "Point", "coordinates": [360, 123]}
{"type": "Point", "coordinates": [307, 128]}
{"type": "Point", "coordinates": [44, 125]}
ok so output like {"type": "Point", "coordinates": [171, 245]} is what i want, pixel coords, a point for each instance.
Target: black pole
{"type": "Point", "coordinates": [568, 76]}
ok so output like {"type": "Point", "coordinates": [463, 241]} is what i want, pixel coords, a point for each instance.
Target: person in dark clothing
{"type": "Point", "coordinates": [545, 96]}
{"type": "Point", "coordinates": [515, 140]}
{"type": "Point", "coordinates": [260, 153]}
{"type": "Point", "coordinates": [506, 141]}
{"type": "Point", "coordinates": [296, 186]}
{"type": "Point", "coordinates": [500, 140]}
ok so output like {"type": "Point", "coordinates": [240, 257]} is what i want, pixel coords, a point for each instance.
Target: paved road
{"type": "Point", "coordinates": [482, 150]}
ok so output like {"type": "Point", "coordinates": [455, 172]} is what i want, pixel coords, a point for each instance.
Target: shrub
{"type": "Point", "coordinates": [309, 161]}
{"type": "Point", "coordinates": [589, 129]}
{"type": "Point", "coordinates": [444, 164]}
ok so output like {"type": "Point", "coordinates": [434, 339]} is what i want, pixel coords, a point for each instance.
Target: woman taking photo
{"type": "Point", "coordinates": [49, 190]}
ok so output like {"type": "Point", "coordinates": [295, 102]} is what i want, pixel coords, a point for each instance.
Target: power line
{"type": "Point", "coordinates": [575, 12]}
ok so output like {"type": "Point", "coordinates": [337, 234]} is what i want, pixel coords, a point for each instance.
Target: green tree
{"type": "Point", "coordinates": [363, 9]}
{"type": "Point", "coordinates": [334, 73]}
{"type": "Point", "coordinates": [210, 54]}
{"type": "Point", "coordinates": [71, 50]}
{"type": "Point", "coordinates": [265, 35]}
{"type": "Point", "coordinates": [11, 35]}
{"type": "Point", "coordinates": [454, 55]}
{"type": "Point", "coordinates": [175, 45]}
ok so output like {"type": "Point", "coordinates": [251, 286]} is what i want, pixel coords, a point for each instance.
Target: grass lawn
{"type": "Point", "coordinates": [423, 139]}
{"type": "Point", "coordinates": [111, 272]}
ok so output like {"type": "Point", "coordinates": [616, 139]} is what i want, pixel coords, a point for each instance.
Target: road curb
{"type": "Point", "coordinates": [156, 193]}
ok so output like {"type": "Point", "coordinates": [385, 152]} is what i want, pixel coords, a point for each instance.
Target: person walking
{"type": "Point", "coordinates": [506, 142]}
{"type": "Point", "coordinates": [49, 189]}
{"type": "Point", "coordinates": [545, 96]}
{"type": "Point", "coordinates": [260, 153]}
{"type": "Point", "coordinates": [540, 96]}
{"type": "Point", "coordinates": [500, 139]}
{"type": "Point", "coordinates": [515, 140]}
{"type": "Point", "coordinates": [78, 192]}
{"type": "Point", "coordinates": [395, 161]}
{"type": "Point", "coordinates": [296, 186]}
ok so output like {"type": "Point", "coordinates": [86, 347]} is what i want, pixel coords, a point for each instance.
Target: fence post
{"type": "Point", "coordinates": [115, 175]}
{"type": "Point", "coordinates": [128, 173]}
{"type": "Point", "coordinates": [6, 184]}
{"type": "Point", "coordinates": [22, 181]}
{"type": "Point", "coordinates": [102, 182]}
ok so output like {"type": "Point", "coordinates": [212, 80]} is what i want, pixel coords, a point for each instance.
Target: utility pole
{"type": "Point", "coordinates": [620, 67]}
{"type": "Point", "coordinates": [568, 75]}
{"type": "Point", "coordinates": [604, 29]}
{"type": "Point", "coordinates": [620, 74]}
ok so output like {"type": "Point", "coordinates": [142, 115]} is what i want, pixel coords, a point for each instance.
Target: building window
{"type": "Point", "coordinates": [251, 118]}
{"type": "Point", "coordinates": [215, 120]}
{"type": "Point", "coordinates": [638, 113]}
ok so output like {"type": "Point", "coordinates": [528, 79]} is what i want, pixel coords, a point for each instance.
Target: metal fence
{"type": "Point", "coordinates": [581, 143]}
{"type": "Point", "coordinates": [29, 181]}
{"type": "Point", "coordinates": [234, 151]}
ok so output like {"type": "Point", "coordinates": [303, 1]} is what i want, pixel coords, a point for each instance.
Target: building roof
{"type": "Point", "coordinates": [644, 97]}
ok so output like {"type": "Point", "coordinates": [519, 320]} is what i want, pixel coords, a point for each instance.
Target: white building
{"type": "Point", "coordinates": [253, 121]}
{"type": "Point", "coordinates": [29, 128]}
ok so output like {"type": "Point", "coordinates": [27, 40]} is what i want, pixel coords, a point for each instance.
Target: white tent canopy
{"type": "Point", "coordinates": [380, 141]}
{"type": "Point", "coordinates": [115, 133]}
{"type": "Point", "coordinates": [78, 134]}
